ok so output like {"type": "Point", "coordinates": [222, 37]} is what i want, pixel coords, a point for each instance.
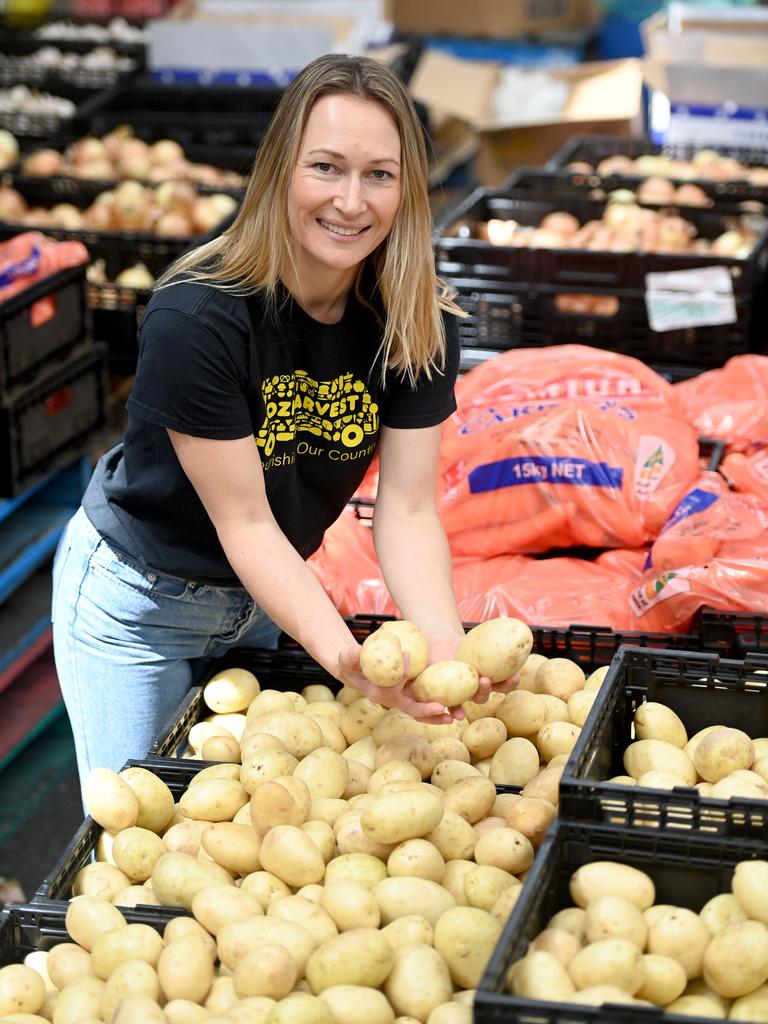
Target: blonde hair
{"type": "Point", "coordinates": [248, 257]}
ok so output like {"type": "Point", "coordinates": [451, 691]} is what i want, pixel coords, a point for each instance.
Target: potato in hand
{"type": "Point", "coordinates": [497, 648]}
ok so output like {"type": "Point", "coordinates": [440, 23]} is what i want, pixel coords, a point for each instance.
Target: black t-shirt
{"type": "Point", "coordinates": [217, 365]}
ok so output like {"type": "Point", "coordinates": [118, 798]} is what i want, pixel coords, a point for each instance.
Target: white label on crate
{"type": "Point", "coordinates": [689, 298]}
{"type": "Point", "coordinates": [717, 126]}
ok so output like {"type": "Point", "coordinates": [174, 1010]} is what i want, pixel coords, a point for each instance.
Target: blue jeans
{"type": "Point", "coordinates": [129, 642]}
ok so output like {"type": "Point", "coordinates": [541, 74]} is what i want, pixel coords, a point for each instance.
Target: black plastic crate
{"type": "Point", "coordinates": [25, 348]}
{"type": "Point", "coordinates": [734, 634]}
{"type": "Point", "coordinates": [291, 668]}
{"type": "Point", "coordinates": [57, 885]}
{"type": "Point", "coordinates": [591, 149]}
{"type": "Point", "coordinates": [510, 293]}
{"type": "Point", "coordinates": [52, 421]}
{"type": "Point", "coordinates": [215, 116]}
{"type": "Point", "coordinates": [26, 927]}
{"type": "Point", "coordinates": [687, 871]}
{"type": "Point", "coordinates": [702, 689]}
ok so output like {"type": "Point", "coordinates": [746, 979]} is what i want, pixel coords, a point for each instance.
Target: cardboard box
{"type": "Point", "coordinates": [712, 65]}
{"type": "Point", "coordinates": [602, 96]}
{"type": "Point", "coordinates": [264, 39]}
{"type": "Point", "coordinates": [491, 18]}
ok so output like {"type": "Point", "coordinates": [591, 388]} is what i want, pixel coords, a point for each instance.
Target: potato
{"type": "Point", "coordinates": [182, 927]}
{"type": "Point", "coordinates": [655, 721]}
{"type": "Point", "coordinates": [185, 970]}
{"type": "Point", "coordinates": [540, 975]}
{"type": "Point", "coordinates": [488, 824]}
{"type": "Point", "coordinates": [484, 737]}
{"type": "Point", "coordinates": [531, 816]}
{"type": "Point", "coordinates": [596, 995]}
{"type": "Point", "coordinates": [505, 848]}
{"type": "Point", "coordinates": [356, 867]}
{"type": "Point", "coordinates": [322, 835]}
{"type": "Point", "coordinates": [216, 905]}
{"type": "Point", "coordinates": [451, 749]}
{"type": "Point", "coordinates": [523, 713]}
{"type": "Point", "coordinates": [101, 881]}
{"type": "Point", "coordinates": [67, 963]}
{"type": "Point", "coordinates": [264, 887]}
{"type": "Point", "coordinates": [418, 982]}
{"type": "Point", "coordinates": [201, 732]}
{"type": "Point", "coordinates": [398, 897]}
{"type": "Point", "coordinates": [269, 970]}
{"type": "Point", "coordinates": [308, 913]}
{"type": "Point", "coordinates": [138, 1009]}
{"type": "Point", "coordinates": [88, 917]}
{"type": "Point", "coordinates": [281, 801]}
{"type": "Point", "coordinates": [451, 1013]}
{"type": "Point", "coordinates": [350, 905]}
{"type": "Point", "coordinates": [134, 942]}
{"type": "Point", "coordinates": [453, 880]}
{"type": "Point", "coordinates": [412, 641]}
{"type": "Point", "coordinates": [132, 977]}
{"type": "Point", "coordinates": [231, 690]}
{"type": "Point", "coordinates": [506, 900]}
{"type": "Point", "coordinates": [664, 979]}
{"type": "Point", "coordinates": [234, 847]}
{"type": "Point", "coordinates": [606, 878]}
{"type": "Point", "coordinates": [497, 648]}
{"type": "Point", "coordinates": [737, 785]}
{"type": "Point", "coordinates": [557, 709]}
{"type": "Point", "coordinates": [572, 919]}
{"type": "Point", "coordinates": [735, 962]}
{"type": "Point", "coordinates": [448, 682]}
{"type": "Point", "coordinates": [298, 733]}
{"type": "Point", "coordinates": [155, 799]}
{"type": "Point", "coordinates": [289, 853]}
{"type": "Point", "coordinates": [136, 851]}
{"type": "Point", "coordinates": [557, 941]}
{"type": "Point", "coordinates": [473, 711]}
{"type": "Point", "coordinates": [723, 910]}
{"type": "Point", "coordinates": [299, 1008]}
{"type": "Point", "coordinates": [410, 930]}
{"type": "Point", "coordinates": [416, 858]}
{"type": "Point", "coordinates": [351, 1004]}
{"type": "Point", "coordinates": [394, 723]}
{"type": "Point", "coordinates": [515, 763]}
{"type": "Point", "coordinates": [449, 771]}
{"type": "Point", "coordinates": [22, 990]}
{"type": "Point", "coordinates": [221, 748]}
{"type": "Point", "coordinates": [596, 679]}
{"type": "Point", "coordinates": [579, 705]}
{"type": "Point", "coordinates": [751, 1007]}
{"type": "Point", "coordinates": [82, 1000]}
{"type": "Point", "coordinates": [559, 677]}
{"type": "Point", "coordinates": [608, 962]}
{"type": "Point", "coordinates": [682, 935]}
{"type": "Point", "coordinates": [454, 837]}
{"type": "Point", "coordinates": [351, 838]}
{"type": "Point", "coordinates": [465, 937]}
{"type": "Point", "coordinates": [381, 658]}
{"type": "Point", "coordinates": [396, 817]}
{"type": "Point", "coordinates": [484, 884]}
{"type": "Point", "coordinates": [186, 836]}
{"type": "Point", "coordinates": [109, 800]}
{"type": "Point", "coordinates": [721, 752]}
{"type": "Point", "coordinates": [556, 738]}
{"type": "Point", "coordinates": [413, 749]}
{"type": "Point", "coordinates": [658, 756]}
{"type": "Point", "coordinates": [213, 800]}
{"type": "Point", "coordinates": [361, 956]}
{"type": "Point", "coordinates": [613, 917]}
{"type": "Point", "coordinates": [324, 772]}
{"type": "Point", "coordinates": [177, 877]}
{"type": "Point", "coordinates": [750, 887]}
{"type": "Point", "coordinates": [471, 798]}
{"type": "Point", "coordinates": [528, 672]}
{"type": "Point", "coordinates": [238, 938]}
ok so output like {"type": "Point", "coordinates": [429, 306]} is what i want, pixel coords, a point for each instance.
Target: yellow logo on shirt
{"type": "Point", "coordinates": [340, 411]}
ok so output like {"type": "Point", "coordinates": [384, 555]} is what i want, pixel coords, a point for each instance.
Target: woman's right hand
{"type": "Point", "coordinates": [399, 696]}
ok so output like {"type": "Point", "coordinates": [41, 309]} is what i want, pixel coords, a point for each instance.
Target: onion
{"type": "Point", "coordinates": [655, 190]}
{"type": "Point", "coordinates": [65, 215]}
{"type": "Point", "coordinates": [86, 150]}
{"type": "Point", "coordinates": [545, 238]}
{"type": "Point", "coordinates": [224, 203]}
{"type": "Point", "coordinates": [138, 276]}
{"type": "Point", "coordinates": [617, 164]}
{"type": "Point", "coordinates": [561, 223]}
{"type": "Point", "coordinates": [175, 195]}
{"type": "Point", "coordinates": [728, 244]}
{"type": "Point", "coordinates": [130, 205]}
{"type": "Point", "coordinates": [36, 216]}
{"type": "Point", "coordinates": [691, 195]}
{"type": "Point", "coordinates": [114, 140]}
{"type": "Point", "coordinates": [99, 214]}
{"type": "Point", "coordinates": [580, 167]}
{"type": "Point", "coordinates": [13, 205]}
{"type": "Point", "coordinates": [500, 232]}
{"type": "Point", "coordinates": [96, 170]}
{"type": "Point", "coordinates": [758, 176]}
{"type": "Point", "coordinates": [9, 149]}
{"type": "Point", "coordinates": [172, 224]}
{"type": "Point", "coordinates": [165, 151]}
{"type": "Point", "coordinates": [206, 215]}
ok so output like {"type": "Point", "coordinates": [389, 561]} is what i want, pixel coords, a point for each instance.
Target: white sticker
{"type": "Point", "coordinates": [653, 461]}
{"type": "Point", "coordinates": [653, 592]}
{"type": "Point", "coordinates": [690, 298]}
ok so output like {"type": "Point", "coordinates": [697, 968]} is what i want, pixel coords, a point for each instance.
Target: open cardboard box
{"type": "Point", "coordinates": [603, 96]}
{"type": "Point", "coordinates": [708, 63]}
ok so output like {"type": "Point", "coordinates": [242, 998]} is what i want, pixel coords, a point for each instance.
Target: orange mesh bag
{"type": "Point", "coordinates": [748, 472]}
{"type": "Point", "coordinates": [546, 591]}
{"type": "Point", "coordinates": [525, 479]}
{"type": "Point", "coordinates": [573, 372]}
{"type": "Point", "coordinates": [31, 256]}
{"type": "Point", "coordinates": [730, 403]}
{"type": "Point", "coordinates": [707, 515]}
{"type": "Point", "coordinates": [628, 563]}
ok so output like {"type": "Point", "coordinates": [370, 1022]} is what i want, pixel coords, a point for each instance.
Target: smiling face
{"type": "Point", "coordinates": [345, 189]}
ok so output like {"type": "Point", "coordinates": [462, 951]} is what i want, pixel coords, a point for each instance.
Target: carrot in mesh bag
{"type": "Point", "coordinates": [559, 372]}
{"type": "Point", "coordinates": [736, 580]}
{"type": "Point", "coordinates": [546, 591]}
{"type": "Point", "coordinates": [730, 403]}
{"type": "Point", "coordinates": [31, 256]}
{"type": "Point", "coordinates": [747, 472]}
{"type": "Point", "coordinates": [519, 479]}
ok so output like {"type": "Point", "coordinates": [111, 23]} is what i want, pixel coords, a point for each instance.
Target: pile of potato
{"type": "Point", "coordinates": [617, 946]}
{"type": "Point", "coordinates": [173, 209]}
{"type": "Point", "coordinates": [719, 761]}
{"type": "Point", "coordinates": [119, 154]}
{"type": "Point", "coordinates": [705, 164]}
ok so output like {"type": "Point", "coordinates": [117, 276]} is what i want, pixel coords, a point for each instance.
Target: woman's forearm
{"type": "Point", "coordinates": [416, 562]}
{"type": "Point", "coordinates": [284, 586]}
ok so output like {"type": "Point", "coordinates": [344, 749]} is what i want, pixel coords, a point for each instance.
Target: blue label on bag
{"type": "Point", "coordinates": [29, 265]}
{"type": "Point", "coordinates": [693, 502]}
{"type": "Point", "coordinates": [543, 469]}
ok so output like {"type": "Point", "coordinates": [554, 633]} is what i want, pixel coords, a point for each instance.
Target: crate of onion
{"type": "Point", "coordinates": [533, 270]}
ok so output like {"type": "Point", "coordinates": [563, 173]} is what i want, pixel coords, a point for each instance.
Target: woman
{"type": "Point", "coordinates": [274, 361]}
